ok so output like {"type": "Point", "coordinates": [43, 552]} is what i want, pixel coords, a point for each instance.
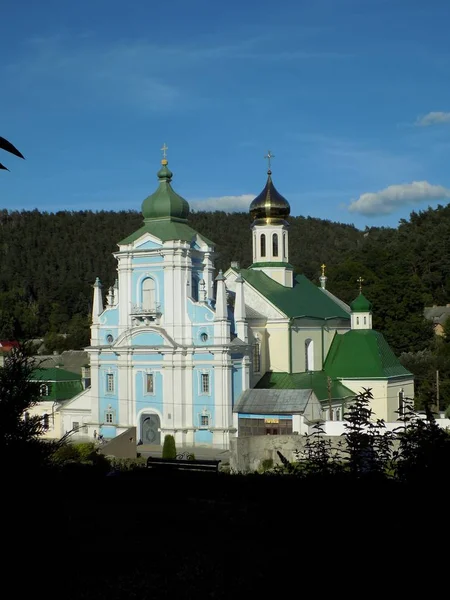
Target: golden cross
{"type": "Point", "coordinates": [323, 267]}
{"type": "Point", "coordinates": [164, 149]}
{"type": "Point", "coordinates": [269, 156]}
{"type": "Point", "coordinates": [360, 281]}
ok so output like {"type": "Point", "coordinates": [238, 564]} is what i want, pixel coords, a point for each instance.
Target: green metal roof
{"type": "Point", "coordinates": [165, 230]}
{"type": "Point", "coordinates": [62, 384]}
{"type": "Point", "coordinates": [362, 354]}
{"type": "Point", "coordinates": [54, 374]}
{"type": "Point", "coordinates": [361, 304]}
{"type": "Point", "coordinates": [313, 380]}
{"type": "Point", "coordinates": [303, 300]}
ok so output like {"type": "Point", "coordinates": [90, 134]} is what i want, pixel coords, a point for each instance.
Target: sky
{"type": "Point", "coordinates": [352, 97]}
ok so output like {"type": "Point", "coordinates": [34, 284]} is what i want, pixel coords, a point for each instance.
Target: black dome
{"type": "Point", "coordinates": [270, 205]}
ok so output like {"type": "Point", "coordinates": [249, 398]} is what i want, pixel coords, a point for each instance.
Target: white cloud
{"type": "Point", "coordinates": [433, 118]}
{"type": "Point", "coordinates": [393, 197]}
{"type": "Point", "coordinates": [227, 203]}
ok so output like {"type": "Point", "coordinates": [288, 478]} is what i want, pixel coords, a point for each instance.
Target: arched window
{"type": "Point", "coordinates": [284, 245]}
{"type": "Point", "coordinates": [148, 294]}
{"type": "Point", "coordinates": [262, 240]}
{"type": "Point", "coordinates": [357, 320]}
{"type": "Point", "coordinates": [257, 357]}
{"type": "Point", "coordinates": [365, 320]}
{"type": "Point", "coordinates": [254, 247]}
{"type": "Point", "coordinates": [309, 355]}
{"type": "Point", "coordinates": [275, 244]}
{"type": "Point", "coordinates": [44, 390]}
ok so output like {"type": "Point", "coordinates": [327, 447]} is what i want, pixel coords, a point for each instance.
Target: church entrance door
{"type": "Point", "coordinates": [150, 429]}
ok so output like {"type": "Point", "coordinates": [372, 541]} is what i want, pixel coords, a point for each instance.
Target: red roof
{"type": "Point", "coordinates": [6, 346]}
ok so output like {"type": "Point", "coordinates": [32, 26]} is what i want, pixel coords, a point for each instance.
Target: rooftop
{"type": "Point", "coordinates": [312, 380]}
{"type": "Point", "coordinates": [303, 300]}
{"type": "Point", "coordinates": [362, 354]}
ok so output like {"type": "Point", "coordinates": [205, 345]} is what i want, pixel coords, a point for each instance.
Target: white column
{"type": "Point", "coordinates": [239, 311]}
{"type": "Point", "coordinates": [221, 322]}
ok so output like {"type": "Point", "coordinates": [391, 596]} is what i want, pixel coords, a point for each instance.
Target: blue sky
{"type": "Point", "coordinates": [351, 96]}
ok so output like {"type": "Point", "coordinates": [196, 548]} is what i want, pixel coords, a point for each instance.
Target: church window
{"type": "Point", "coordinates": [365, 320]}
{"type": "Point", "coordinates": [205, 383]}
{"type": "Point", "coordinates": [110, 382]}
{"type": "Point", "coordinates": [257, 357]}
{"type": "Point", "coordinates": [109, 338]}
{"type": "Point", "coordinates": [109, 417]}
{"type": "Point", "coordinates": [149, 383]}
{"type": "Point", "coordinates": [75, 426]}
{"type": "Point", "coordinates": [263, 245]}
{"type": "Point", "coordinates": [284, 245]}
{"type": "Point", "coordinates": [204, 420]}
{"type": "Point", "coordinates": [309, 355]}
{"type": "Point", "coordinates": [275, 244]}
{"type": "Point", "coordinates": [45, 421]}
{"type": "Point", "coordinates": [357, 320]}
{"type": "Point", "coordinates": [44, 390]}
{"type": "Point", "coordinates": [148, 294]}
{"type": "Point", "coordinates": [204, 337]}
{"type": "Point", "coordinates": [338, 414]}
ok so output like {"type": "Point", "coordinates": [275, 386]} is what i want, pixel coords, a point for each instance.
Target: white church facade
{"type": "Point", "coordinates": [183, 350]}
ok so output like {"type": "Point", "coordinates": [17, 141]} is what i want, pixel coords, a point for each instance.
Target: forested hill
{"type": "Point", "coordinates": [49, 263]}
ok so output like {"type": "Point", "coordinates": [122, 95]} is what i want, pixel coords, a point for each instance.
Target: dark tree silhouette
{"type": "Point", "coordinates": [8, 147]}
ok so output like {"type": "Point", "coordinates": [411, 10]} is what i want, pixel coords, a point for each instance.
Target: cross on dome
{"type": "Point", "coordinates": [269, 156]}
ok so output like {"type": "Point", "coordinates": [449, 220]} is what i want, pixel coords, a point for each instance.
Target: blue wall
{"type": "Point", "coordinates": [143, 399]}
{"type": "Point", "coordinates": [203, 401]}
{"type": "Point", "coordinates": [147, 339]}
{"type": "Point", "coordinates": [108, 401]}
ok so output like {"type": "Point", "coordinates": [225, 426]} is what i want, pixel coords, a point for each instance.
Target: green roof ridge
{"type": "Point", "coordinates": [315, 380]}
{"type": "Point", "coordinates": [166, 230]}
{"type": "Point", "coordinates": [303, 300]}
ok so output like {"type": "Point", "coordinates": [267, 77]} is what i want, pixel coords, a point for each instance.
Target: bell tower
{"type": "Point", "coordinates": [269, 212]}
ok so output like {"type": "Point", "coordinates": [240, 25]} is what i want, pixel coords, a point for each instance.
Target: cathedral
{"type": "Point", "coordinates": [181, 349]}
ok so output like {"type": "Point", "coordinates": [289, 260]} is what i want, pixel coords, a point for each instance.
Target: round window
{"type": "Point", "coordinates": [109, 338]}
{"type": "Point", "coordinates": [204, 337]}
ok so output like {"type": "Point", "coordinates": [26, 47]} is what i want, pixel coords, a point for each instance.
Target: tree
{"type": "Point", "coordinates": [169, 448]}
{"type": "Point", "coordinates": [20, 433]}
{"type": "Point", "coordinates": [8, 147]}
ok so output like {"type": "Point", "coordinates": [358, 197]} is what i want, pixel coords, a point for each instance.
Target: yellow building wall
{"type": "Point", "coordinates": [393, 390]}
{"type": "Point", "coordinates": [378, 387]}
{"type": "Point", "coordinates": [277, 349]}
{"type": "Point", "coordinates": [54, 418]}
{"type": "Point", "coordinates": [299, 338]}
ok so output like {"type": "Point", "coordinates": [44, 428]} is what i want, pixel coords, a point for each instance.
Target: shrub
{"type": "Point", "coordinates": [169, 448]}
{"type": "Point", "coordinates": [127, 464]}
{"type": "Point", "coordinates": [266, 465]}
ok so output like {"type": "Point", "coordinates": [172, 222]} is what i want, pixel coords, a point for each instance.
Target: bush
{"type": "Point", "coordinates": [127, 464]}
{"type": "Point", "coordinates": [266, 465]}
{"type": "Point", "coordinates": [169, 448]}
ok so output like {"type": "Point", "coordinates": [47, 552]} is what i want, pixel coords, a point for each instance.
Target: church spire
{"type": "Point", "coordinates": [97, 303]}
{"type": "Point", "coordinates": [323, 278]}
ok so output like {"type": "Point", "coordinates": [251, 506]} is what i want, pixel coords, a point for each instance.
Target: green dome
{"type": "Point", "coordinates": [361, 304]}
{"type": "Point", "coordinates": [165, 203]}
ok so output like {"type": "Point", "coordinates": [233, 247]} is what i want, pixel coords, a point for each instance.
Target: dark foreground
{"type": "Point", "coordinates": [190, 535]}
